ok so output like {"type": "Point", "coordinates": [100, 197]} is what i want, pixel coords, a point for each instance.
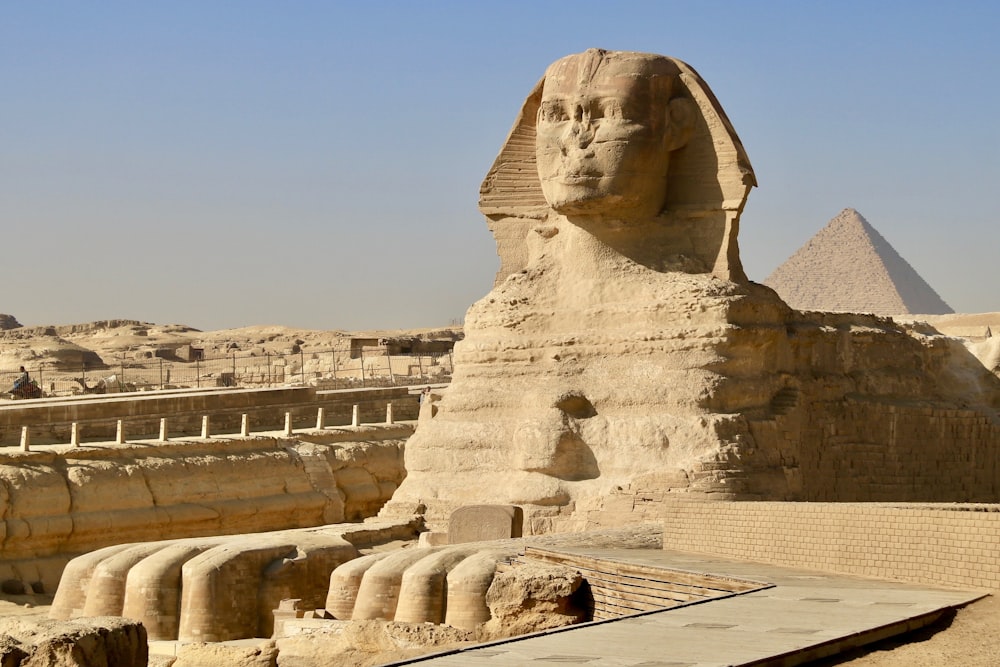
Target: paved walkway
{"type": "Point", "coordinates": [804, 616]}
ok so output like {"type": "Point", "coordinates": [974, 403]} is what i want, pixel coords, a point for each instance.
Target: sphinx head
{"type": "Point", "coordinates": [606, 125]}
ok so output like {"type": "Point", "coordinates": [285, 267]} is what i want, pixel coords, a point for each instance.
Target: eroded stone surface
{"type": "Point", "coordinates": [622, 350]}
{"type": "Point", "coordinates": [530, 598]}
{"type": "Point", "coordinates": [61, 504]}
{"type": "Point", "coordinates": [215, 588]}
{"type": "Point", "coordinates": [91, 641]}
{"type": "Point", "coordinates": [476, 523]}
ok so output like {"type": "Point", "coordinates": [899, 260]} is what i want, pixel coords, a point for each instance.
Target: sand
{"type": "Point", "coordinates": [970, 638]}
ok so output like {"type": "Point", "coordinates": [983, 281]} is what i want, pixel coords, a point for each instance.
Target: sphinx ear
{"type": "Point", "coordinates": [680, 123]}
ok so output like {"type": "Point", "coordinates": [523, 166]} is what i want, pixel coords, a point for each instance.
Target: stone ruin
{"type": "Point", "coordinates": [623, 350]}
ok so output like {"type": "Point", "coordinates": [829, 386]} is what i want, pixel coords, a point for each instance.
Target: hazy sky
{"type": "Point", "coordinates": [317, 164]}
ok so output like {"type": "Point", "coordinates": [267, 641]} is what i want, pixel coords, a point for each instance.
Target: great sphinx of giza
{"type": "Point", "coordinates": [622, 349]}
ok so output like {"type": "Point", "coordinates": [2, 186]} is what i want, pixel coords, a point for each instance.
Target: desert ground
{"type": "Point", "coordinates": [970, 638]}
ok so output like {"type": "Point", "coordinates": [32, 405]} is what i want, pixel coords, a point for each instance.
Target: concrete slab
{"type": "Point", "coordinates": [804, 616]}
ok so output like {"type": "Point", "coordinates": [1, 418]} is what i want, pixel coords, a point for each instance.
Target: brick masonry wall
{"type": "Point", "coordinates": [941, 544]}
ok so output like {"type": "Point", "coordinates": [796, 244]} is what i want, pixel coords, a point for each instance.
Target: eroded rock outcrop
{"type": "Point", "coordinates": [58, 504]}
{"type": "Point", "coordinates": [92, 641]}
{"type": "Point", "coordinates": [531, 597]}
{"type": "Point", "coordinates": [623, 350]}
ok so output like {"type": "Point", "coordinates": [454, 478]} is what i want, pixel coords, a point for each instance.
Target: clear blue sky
{"type": "Point", "coordinates": [317, 164]}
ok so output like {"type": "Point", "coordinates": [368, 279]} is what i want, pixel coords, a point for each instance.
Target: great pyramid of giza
{"type": "Point", "coordinates": [849, 267]}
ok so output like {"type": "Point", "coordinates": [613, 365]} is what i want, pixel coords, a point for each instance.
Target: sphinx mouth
{"type": "Point", "coordinates": [581, 174]}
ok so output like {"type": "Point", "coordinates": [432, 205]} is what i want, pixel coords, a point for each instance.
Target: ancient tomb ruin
{"type": "Point", "coordinates": [622, 348]}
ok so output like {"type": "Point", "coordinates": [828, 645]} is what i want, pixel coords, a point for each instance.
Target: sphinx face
{"type": "Point", "coordinates": [603, 134]}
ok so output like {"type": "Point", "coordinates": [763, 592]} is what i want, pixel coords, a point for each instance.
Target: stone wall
{"type": "Point", "coordinates": [58, 504]}
{"type": "Point", "coordinates": [942, 545]}
{"type": "Point", "coordinates": [50, 420]}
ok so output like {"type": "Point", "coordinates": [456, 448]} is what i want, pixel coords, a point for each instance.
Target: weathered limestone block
{"type": "Point", "coordinates": [91, 641]}
{"type": "Point", "coordinates": [531, 598]}
{"type": "Point", "coordinates": [479, 523]}
{"type": "Point", "coordinates": [264, 654]}
{"type": "Point", "coordinates": [361, 492]}
{"type": "Point", "coordinates": [12, 652]}
{"type": "Point", "coordinates": [622, 342]}
{"type": "Point", "coordinates": [353, 643]}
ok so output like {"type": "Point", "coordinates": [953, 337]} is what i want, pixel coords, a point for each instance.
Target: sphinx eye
{"type": "Point", "coordinates": [552, 113]}
{"type": "Point", "coordinates": [611, 109]}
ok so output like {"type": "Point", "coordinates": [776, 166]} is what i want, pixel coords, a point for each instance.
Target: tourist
{"type": "Point", "coordinates": [22, 380]}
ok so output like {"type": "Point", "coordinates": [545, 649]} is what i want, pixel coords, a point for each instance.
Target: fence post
{"type": "Point", "coordinates": [234, 369]}
{"type": "Point", "coordinates": [121, 380]}
{"type": "Point", "coordinates": [420, 365]}
{"type": "Point", "coordinates": [197, 372]}
{"type": "Point", "coordinates": [333, 353]}
{"type": "Point", "coordinates": [268, 368]}
{"type": "Point", "coordinates": [362, 350]}
{"type": "Point", "coordinates": [161, 373]}
{"type": "Point", "coordinates": [41, 369]}
{"type": "Point", "coordinates": [302, 366]}
{"type": "Point", "coordinates": [388, 363]}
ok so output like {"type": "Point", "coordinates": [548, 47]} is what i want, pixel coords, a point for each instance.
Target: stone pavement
{"type": "Point", "coordinates": [804, 615]}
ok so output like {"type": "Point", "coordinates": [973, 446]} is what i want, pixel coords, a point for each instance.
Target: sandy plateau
{"type": "Point", "coordinates": [114, 340]}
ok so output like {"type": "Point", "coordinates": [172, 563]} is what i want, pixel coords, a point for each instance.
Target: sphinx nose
{"type": "Point", "coordinates": [581, 131]}
{"type": "Point", "coordinates": [583, 134]}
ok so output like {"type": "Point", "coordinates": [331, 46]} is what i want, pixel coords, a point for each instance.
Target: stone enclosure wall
{"type": "Point", "coordinates": [50, 420]}
{"type": "Point", "coordinates": [58, 504]}
{"type": "Point", "coordinates": [943, 545]}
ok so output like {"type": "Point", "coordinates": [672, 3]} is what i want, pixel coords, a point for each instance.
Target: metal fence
{"type": "Point", "coordinates": [325, 369]}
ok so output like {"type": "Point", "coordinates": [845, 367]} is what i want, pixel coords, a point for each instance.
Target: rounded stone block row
{"type": "Point", "coordinates": [445, 584]}
{"type": "Point", "coordinates": [203, 589]}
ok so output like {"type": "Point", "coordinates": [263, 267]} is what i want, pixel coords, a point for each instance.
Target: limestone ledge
{"type": "Point", "coordinates": [65, 501]}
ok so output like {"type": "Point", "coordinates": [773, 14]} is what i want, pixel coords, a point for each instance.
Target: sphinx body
{"type": "Point", "coordinates": [623, 350]}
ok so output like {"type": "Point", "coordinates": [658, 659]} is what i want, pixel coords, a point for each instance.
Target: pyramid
{"type": "Point", "coordinates": [849, 267]}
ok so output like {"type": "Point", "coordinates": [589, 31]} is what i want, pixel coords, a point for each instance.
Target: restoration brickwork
{"type": "Point", "coordinates": [946, 545]}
